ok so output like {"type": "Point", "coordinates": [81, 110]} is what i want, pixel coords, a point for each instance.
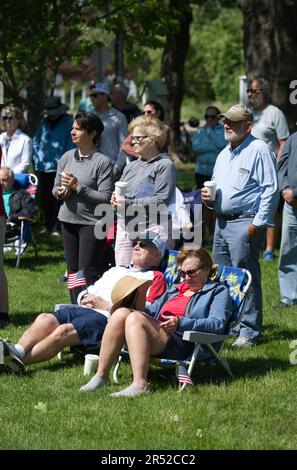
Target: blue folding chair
{"type": "Point", "coordinates": [238, 282]}
{"type": "Point", "coordinates": [23, 235]}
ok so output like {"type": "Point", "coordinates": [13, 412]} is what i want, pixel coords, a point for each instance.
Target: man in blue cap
{"type": "Point", "coordinates": [115, 123]}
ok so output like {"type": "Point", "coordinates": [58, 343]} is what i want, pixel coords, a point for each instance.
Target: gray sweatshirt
{"type": "Point", "coordinates": [150, 182]}
{"type": "Point", "coordinates": [94, 175]}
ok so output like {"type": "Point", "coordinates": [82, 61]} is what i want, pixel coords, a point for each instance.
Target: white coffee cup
{"type": "Point", "coordinates": [211, 188]}
{"type": "Point", "coordinates": [63, 185]}
{"type": "Point", "coordinates": [91, 363]}
{"type": "Point", "coordinates": [120, 188]}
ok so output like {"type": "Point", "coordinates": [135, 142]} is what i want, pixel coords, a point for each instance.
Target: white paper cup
{"type": "Point", "coordinates": [91, 363]}
{"type": "Point", "coordinates": [120, 188]}
{"type": "Point", "coordinates": [211, 188]}
{"type": "Point", "coordinates": [63, 174]}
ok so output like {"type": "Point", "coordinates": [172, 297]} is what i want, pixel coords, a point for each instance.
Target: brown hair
{"type": "Point", "coordinates": [201, 254]}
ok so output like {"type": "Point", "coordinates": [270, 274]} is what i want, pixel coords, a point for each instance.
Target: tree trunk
{"type": "Point", "coordinates": [270, 47]}
{"type": "Point", "coordinates": [173, 61]}
{"type": "Point", "coordinates": [35, 102]}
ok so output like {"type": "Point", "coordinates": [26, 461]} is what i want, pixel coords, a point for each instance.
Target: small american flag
{"type": "Point", "coordinates": [76, 280]}
{"type": "Point", "coordinates": [182, 375]}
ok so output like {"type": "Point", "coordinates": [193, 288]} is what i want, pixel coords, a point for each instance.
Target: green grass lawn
{"type": "Point", "coordinates": [44, 410]}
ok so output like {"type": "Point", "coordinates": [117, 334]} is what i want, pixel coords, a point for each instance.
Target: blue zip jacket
{"type": "Point", "coordinates": [207, 143]}
{"type": "Point", "coordinates": [51, 142]}
{"type": "Point", "coordinates": [209, 310]}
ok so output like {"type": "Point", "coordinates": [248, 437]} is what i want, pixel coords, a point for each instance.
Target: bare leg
{"type": "Point", "coordinates": [112, 341]}
{"type": "Point", "coordinates": [4, 292]}
{"type": "Point", "coordinates": [270, 239]}
{"type": "Point", "coordinates": [62, 336]}
{"type": "Point", "coordinates": [144, 338]}
{"type": "Point", "coordinates": [43, 326]}
{"type": "Point", "coordinates": [111, 345]}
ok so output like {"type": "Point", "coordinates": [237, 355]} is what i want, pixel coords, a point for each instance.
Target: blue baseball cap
{"type": "Point", "coordinates": [99, 88]}
{"type": "Point", "coordinates": [155, 239]}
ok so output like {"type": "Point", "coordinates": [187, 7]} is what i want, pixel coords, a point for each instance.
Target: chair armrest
{"type": "Point", "coordinates": [203, 338]}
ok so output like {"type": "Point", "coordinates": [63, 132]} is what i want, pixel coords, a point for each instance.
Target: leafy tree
{"type": "Point", "coordinates": [215, 58]}
{"type": "Point", "coordinates": [36, 38]}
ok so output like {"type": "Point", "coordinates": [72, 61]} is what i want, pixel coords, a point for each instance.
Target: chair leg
{"type": "Point", "coordinates": [191, 365]}
{"type": "Point", "coordinates": [221, 360]}
{"type": "Point", "coordinates": [20, 245]}
{"type": "Point", "coordinates": [116, 369]}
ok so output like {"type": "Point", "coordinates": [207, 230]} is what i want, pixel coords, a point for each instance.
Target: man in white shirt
{"type": "Point", "coordinates": [269, 125]}
{"type": "Point", "coordinates": [83, 325]}
{"type": "Point", "coordinates": [115, 122]}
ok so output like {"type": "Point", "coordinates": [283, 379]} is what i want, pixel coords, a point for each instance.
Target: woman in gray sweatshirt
{"type": "Point", "coordinates": [83, 180]}
{"type": "Point", "coordinates": [151, 184]}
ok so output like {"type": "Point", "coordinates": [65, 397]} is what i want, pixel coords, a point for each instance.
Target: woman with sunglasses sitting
{"type": "Point", "coordinates": [16, 145]}
{"type": "Point", "coordinates": [197, 304]}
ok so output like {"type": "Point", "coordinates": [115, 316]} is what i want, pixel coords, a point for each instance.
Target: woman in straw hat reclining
{"type": "Point", "coordinates": [196, 304]}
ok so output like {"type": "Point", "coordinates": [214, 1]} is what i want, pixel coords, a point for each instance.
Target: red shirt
{"type": "Point", "coordinates": [178, 304]}
{"type": "Point", "coordinates": [2, 210]}
{"type": "Point", "coordinates": [158, 287]}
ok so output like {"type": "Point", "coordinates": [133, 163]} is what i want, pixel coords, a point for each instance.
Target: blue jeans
{"type": "Point", "coordinates": [287, 267]}
{"type": "Point", "coordinates": [231, 246]}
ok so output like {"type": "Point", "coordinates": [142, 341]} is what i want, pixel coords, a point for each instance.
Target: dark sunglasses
{"type": "Point", "coordinates": [190, 272]}
{"type": "Point", "coordinates": [254, 91]}
{"type": "Point", "coordinates": [211, 116]}
{"type": "Point", "coordinates": [8, 118]}
{"type": "Point", "coordinates": [140, 243]}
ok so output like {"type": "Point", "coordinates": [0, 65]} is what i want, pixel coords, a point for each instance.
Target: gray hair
{"type": "Point", "coordinates": [122, 89]}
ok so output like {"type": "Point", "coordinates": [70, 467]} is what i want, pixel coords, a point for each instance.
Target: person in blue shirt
{"type": "Point", "coordinates": [51, 141]}
{"type": "Point", "coordinates": [207, 142]}
{"type": "Point", "coordinates": [246, 200]}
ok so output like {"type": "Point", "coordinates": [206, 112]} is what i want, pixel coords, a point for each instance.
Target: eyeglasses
{"type": "Point", "coordinates": [8, 118]}
{"type": "Point", "coordinates": [254, 91]}
{"type": "Point", "coordinates": [94, 95]}
{"type": "Point", "coordinates": [190, 272]}
{"type": "Point", "coordinates": [211, 116]}
{"type": "Point", "coordinates": [147, 112]}
{"type": "Point", "coordinates": [138, 138]}
{"type": "Point", "coordinates": [141, 244]}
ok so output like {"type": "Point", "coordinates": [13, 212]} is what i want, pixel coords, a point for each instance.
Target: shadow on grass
{"type": "Point", "coordinates": [34, 264]}
{"type": "Point", "coordinates": [203, 375]}
{"type": "Point", "coordinates": [24, 318]}
{"type": "Point", "coordinates": [273, 332]}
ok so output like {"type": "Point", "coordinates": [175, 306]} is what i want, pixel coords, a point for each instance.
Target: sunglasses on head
{"type": "Point", "coordinates": [210, 116]}
{"type": "Point", "coordinates": [8, 118]}
{"type": "Point", "coordinates": [254, 91]}
{"type": "Point", "coordinates": [140, 243]}
{"type": "Point", "coordinates": [190, 272]}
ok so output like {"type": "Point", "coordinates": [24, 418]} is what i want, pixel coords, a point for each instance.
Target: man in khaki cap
{"type": "Point", "coordinates": [246, 201]}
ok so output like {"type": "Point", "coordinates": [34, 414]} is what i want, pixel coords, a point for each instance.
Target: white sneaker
{"type": "Point", "coordinates": [243, 342]}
